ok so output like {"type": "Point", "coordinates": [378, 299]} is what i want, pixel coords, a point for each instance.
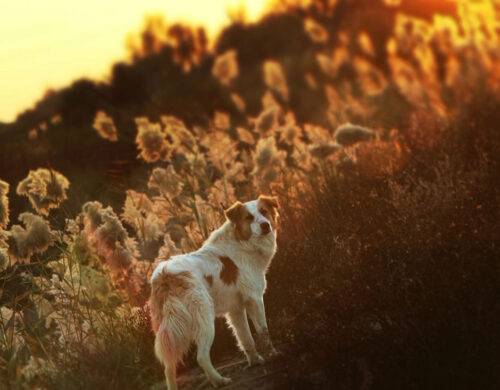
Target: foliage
{"type": "Point", "coordinates": [381, 145]}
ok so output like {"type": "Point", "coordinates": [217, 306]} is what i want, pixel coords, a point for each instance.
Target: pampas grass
{"type": "Point", "coordinates": [105, 126]}
{"type": "Point", "coordinates": [225, 67]}
{"type": "Point", "coordinates": [35, 237]}
{"type": "Point", "coordinates": [4, 204]}
{"type": "Point", "coordinates": [45, 189]}
{"type": "Point", "coordinates": [112, 243]}
{"type": "Point", "coordinates": [274, 77]}
{"type": "Point", "coordinates": [349, 134]}
{"type": "Point", "coordinates": [366, 214]}
{"type": "Point", "coordinates": [316, 31]}
{"type": "Point", "coordinates": [151, 141]}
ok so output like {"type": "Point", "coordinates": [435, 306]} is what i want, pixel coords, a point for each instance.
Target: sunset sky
{"type": "Point", "coordinates": [47, 44]}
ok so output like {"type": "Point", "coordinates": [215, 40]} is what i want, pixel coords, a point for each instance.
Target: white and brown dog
{"type": "Point", "coordinates": [225, 277]}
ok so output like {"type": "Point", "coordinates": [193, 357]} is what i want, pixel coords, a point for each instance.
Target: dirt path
{"type": "Point", "coordinates": [270, 375]}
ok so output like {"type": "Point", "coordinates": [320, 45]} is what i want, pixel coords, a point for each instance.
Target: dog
{"type": "Point", "coordinates": [225, 277]}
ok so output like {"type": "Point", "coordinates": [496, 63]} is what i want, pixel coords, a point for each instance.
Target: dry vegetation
{"type": "Point", "coordinates": [387, 272]}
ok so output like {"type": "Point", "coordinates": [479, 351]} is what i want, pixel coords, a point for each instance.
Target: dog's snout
{"type": "Point", "coordinates": [265, 228]}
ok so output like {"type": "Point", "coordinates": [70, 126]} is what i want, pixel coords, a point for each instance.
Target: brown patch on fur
{"type": "Point", "coordinates": [268, 207]}
{"type": "Point", "coordinates": [238, 215]}
{"type": "Point", "coordinates": [209, 279]}
{"type": "Point", "coordinates": [229, 272]}
{"type": "Point", "coordinates": [163, 285]}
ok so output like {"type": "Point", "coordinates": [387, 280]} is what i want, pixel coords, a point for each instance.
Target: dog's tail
{"type": "Point", "coordinates": [171, 319]}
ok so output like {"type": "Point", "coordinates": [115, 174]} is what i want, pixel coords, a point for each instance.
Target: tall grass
{"type": "Point", "coordinates": [386, 270]}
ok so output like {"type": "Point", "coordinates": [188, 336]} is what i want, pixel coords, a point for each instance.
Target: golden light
{"type": "Point", "coordinates": [48, 44]}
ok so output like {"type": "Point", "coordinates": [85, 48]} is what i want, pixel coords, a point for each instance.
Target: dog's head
{"type": "Point", "coordinates": [257, 218]}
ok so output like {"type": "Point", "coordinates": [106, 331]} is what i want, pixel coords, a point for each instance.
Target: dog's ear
{"type": "Point", "coordinates": [233, 213]}
{"type": "Point", "coordinates": [269, 201]}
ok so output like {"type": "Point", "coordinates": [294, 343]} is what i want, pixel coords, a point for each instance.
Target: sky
{"type": "Point", "coordinates": [49, 43]}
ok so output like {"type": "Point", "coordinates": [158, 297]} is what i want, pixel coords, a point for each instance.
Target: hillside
{"type": "Point", "coordinates": [374, 124]}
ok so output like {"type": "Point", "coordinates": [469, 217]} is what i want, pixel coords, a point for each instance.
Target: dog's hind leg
{"type": "Point", "coordinates": [163, 352]}
{"type": "Point", "coordinates": [170, 377]}
{"type": "Point", "coordinates": [204, 338]}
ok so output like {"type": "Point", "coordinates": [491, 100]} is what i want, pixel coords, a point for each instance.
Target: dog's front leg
{"type": "Point", "coordinates": [239, 322]}
{"type": "Point", "coordinates": [257, 313]}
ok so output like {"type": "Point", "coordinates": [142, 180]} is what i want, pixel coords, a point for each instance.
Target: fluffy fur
{"type": "Point", "coordinates": [225, 277]}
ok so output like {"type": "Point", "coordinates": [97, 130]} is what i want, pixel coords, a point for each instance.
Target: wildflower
{"type": "Point", "coordinates": [349, 134]}
{"type": "Point", "coordinates": [274, 78]}
{"type": "Point", "coordinates": [316, 31]}
{"type": "Point", "coordinates": [105, 126]}
{"type": "Point", "coordinates": [36, 237]}
{"type": "Point", "coordinates": [225, 67]}
{"type": "Point", "coordinates": [4, 204]}
{"type": "Point", "coordinates": [151, 141]}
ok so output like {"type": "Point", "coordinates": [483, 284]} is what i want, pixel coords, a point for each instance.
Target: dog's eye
{"type": "Point", "coordinates": [263, 212]}
{"type": "Point", "coordinates": [249, 217]}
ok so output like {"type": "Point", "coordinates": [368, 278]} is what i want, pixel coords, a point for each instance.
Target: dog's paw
{"type": "Point", "coordinates": [255, 360]}
{"type": "Point", "coordinates": [222, 381]}
{"type": "Point", "coordinates": [273, 353]}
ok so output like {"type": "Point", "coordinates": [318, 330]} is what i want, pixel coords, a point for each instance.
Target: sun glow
{"type": "Point", "coordinates": [48, 44]}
